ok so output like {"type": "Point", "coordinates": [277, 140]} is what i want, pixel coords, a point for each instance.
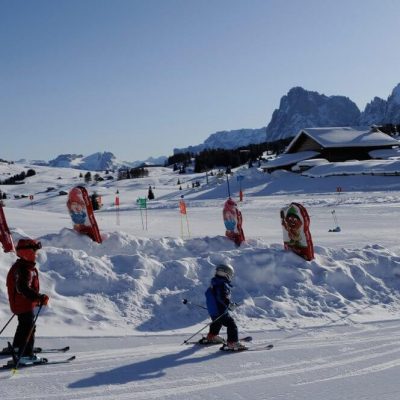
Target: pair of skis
{"type": "Point", "coordinates": [247, 339]}
{"type": "Point", "coordinates": [7, 352]}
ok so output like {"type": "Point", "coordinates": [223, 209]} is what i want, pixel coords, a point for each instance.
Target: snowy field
{"type": "Point", "coordinates": [334, 321]}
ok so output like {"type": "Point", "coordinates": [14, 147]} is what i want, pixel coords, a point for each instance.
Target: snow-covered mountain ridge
{"type": "Point", "coordinates": [228, 140]}
{"type": "Point", "coordinates": [100, 161]}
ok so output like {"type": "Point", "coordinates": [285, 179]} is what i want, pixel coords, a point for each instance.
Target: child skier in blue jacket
{"type": "Point", "coordinates": [219, 305]}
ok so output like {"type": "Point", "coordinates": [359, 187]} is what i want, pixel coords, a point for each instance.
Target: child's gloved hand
{"type": "Point", "coordinates": [44, 299]}
{"type": "Point", "coordinates": [232, 306]}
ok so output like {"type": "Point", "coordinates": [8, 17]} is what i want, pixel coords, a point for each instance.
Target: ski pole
{"type": "Point", "coordinates": [27, 339]}
{"type": "Point", "coordinates": [187, 224]}
{"type": "Point", "coordinates": [5, 326]}
{"type": "Point", "coordinates": [204, 327]}
{"type": "Point", "coordinates": [229, 189]}
{"type": "Point", "coordinates": [186, 301]}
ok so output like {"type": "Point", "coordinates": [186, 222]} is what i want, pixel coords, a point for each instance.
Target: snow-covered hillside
{"type": "Point", "coordinates": [119, 304]}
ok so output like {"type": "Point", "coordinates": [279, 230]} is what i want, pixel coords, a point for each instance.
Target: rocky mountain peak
{"type": "Point", "coordinates": [380, 111]}
{"type": "Point", "coordinates": [395, 96]}
{"type": "Point", "coordinates": [304, 109]}
{"type": "Point", "coordinates": [374, 112]}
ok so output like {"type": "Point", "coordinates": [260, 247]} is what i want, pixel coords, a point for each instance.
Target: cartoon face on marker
{"type": "Point", "coordinates": [230, 221]}
{"type": "Point", "coordinates": [78, 214]}
{"type": "Point", "coordinates": [77, 208]}
{"type": "Point", "coordinates": [293, 224]}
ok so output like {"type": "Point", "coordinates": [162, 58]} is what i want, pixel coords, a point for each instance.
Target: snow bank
{"type": "Point", "coordinates": [131, 285]}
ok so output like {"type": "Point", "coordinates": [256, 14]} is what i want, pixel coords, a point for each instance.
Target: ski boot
{"type": "Point", "coordinates": [212, 339]}
{"type": "Point", "coordinates": [29, 360]}
{"type": "Point", "coordinates": [234, 346]}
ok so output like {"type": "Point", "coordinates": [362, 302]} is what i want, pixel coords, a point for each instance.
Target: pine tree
{"type": "Point", "coordinates": [88, 177]}
{"type": "Point", "coordinates": [95, 202]}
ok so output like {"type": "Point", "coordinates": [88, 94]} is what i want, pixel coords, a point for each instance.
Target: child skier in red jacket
{"type": "Point", "coordinates": [24, 295]}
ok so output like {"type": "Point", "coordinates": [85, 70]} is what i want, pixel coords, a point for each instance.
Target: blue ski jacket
{"type": "Point", "coordinates": [218, 296]}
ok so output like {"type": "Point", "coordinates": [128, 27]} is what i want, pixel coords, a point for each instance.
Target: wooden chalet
{"type": "Point", "coordinates": [333, 144]}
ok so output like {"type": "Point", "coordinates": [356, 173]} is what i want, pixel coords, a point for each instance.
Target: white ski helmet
{"type": "Point", "coordinates": [225, 270]}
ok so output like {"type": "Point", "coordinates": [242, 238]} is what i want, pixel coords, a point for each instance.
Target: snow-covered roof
{"type": "Point", "coordinates": [289, 159]}
{"type": "Point", "coordinates": [346, 137]}
{"type": "Point", "coordinates": [385, 153]}
{"type": "Point", "coordinates": [377, 167]}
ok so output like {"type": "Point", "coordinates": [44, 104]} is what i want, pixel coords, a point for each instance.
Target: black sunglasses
{"type": "Point", "coordinates": [36, 246]}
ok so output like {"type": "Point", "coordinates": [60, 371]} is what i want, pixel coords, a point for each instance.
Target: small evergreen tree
{"type": "Point", "coordinates": [96, 177]}
{"type": "Point", "coordinates": [95, 202]}
{"type": "Point", "coordinates": [88, 177]}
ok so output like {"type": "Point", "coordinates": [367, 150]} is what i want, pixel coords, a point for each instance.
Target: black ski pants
{"type": "Point", "coordinates": [231, 327]}
{"type": "Point", "coordinates": [21, 337]}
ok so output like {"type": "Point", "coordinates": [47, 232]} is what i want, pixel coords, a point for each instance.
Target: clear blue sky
{"type": "Point", "coordinates": [139, 78]}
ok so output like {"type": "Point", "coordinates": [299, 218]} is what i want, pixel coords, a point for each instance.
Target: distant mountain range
{"type": "Point", "coordinates": [94, 162]}
{"type": "Point", "coordinates": [228, 140]}
{"type": "Point", "coordinates": [300, 109]}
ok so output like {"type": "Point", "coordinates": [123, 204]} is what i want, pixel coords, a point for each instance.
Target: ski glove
{"type": "Point", "coordinates": [43, 300]}
{"type": "Point", "coordinates": [233, 306]}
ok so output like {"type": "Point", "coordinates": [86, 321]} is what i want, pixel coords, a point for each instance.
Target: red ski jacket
{"type": "Point", "coordinates": [23, 286]}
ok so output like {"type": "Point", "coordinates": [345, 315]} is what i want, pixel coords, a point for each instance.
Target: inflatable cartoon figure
{"type": "Point", "coordinates": [296, 233]}
{"type": "Point", "coordinates": [81, 212]}
{"type": "Point", "coordinates": [5, 235]}
{"type": "Point", "coordinates": [233, 222]}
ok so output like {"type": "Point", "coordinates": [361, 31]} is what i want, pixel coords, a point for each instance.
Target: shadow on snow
{"type": "Point", "coordinates": [148, 369]}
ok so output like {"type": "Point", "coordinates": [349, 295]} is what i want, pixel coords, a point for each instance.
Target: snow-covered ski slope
{"type": "Point", "coordinates": [351, 362]}
{"type": "Point", "coordinates": [333, 321]}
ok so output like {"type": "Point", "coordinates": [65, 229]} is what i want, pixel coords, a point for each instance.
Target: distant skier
{"type": "Point", "coordinates": [150, 194]}
{"type": "Point", "coordinates": [24, 296]}
{"type": "Point", "coordinates": [219, 305]}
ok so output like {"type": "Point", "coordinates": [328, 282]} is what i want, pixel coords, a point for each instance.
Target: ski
{"type": "Point", "coordinates": [261, 347]}
{"type": "Point", "coordinates": [43, 361]}
{"type": "Point", "coordinates": [6, 352]}
{"type": "Point", "coordinates": [56, 350]}
{"type": "Point", "coordinates": [203, 342]}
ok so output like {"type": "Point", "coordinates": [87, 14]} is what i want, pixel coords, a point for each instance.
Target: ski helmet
{"type": "Point", "coordinates": [225, 270]}
{"type": "Point", "coordinates": [26, 249]}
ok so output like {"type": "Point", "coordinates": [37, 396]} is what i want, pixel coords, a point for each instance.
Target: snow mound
{"type": "Point", "coordinates": [129, 285]}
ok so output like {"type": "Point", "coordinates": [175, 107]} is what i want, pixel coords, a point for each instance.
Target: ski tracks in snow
{"type": "Point", "coordinates": [297, 368]}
